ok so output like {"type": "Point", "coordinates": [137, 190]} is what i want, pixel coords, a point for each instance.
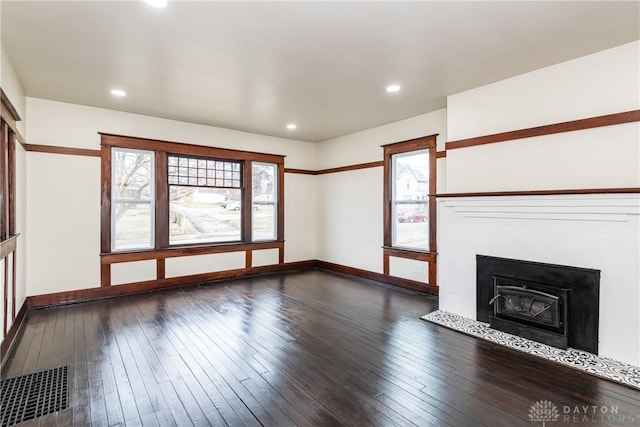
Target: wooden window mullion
{"type": "Point", "coordinates": [162, 202]}
{"type": "Point", "coordinates": [105, 197]}
{"type": "Point", "coordinates": [247, 203]}
{"type": "Point", "coordinates": [280, 207]}
{"type": "Point", "coordinates": [4, 182]}
{"type": "Point", "coordinates": [11, 183]}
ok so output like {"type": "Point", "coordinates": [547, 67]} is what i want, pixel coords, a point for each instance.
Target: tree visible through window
{"type": "Point", "coordinates": [163, 194]}
{"type": "Point", "coordinates": [132, 199]}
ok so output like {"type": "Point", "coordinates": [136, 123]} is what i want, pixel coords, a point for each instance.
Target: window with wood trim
{"type": "Point", "coordinates": [409, 195]}
{"type": "Point", "coordinates": [162, 195]}
{"type": "Point", "coordinates": [205, 200]}
{"type": "Point", "coordinates": [7, 181]}
{"type": "Point", "coordinates": [132, 199]}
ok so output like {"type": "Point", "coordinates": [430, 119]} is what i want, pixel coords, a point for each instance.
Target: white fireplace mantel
{"type": "Point", "coordinates": [599, 231]}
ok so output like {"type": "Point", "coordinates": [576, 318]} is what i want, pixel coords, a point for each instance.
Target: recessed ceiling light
{"type": "Point", "coordinates": [393, 88]}
{"type": "Point", "coordinates": [118, 92]}
{"type": "Point", "coordinates": [291, 126]}
{"type": "Point", "coordinates": [156, 3]}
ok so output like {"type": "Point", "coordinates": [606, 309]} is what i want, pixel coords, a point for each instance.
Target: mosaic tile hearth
{"type": "Point", "coordinates": [600, 366]}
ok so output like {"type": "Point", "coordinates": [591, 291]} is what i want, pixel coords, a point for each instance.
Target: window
{"type": "Point", "coordinates": [163, 195]}
{"type": "Point", "coordinates": [205, 200]}
{"type": "Point", "coordinates": [132, 199]}
{"type": "Point", "coordinates": [264, 196]}
{"type": "Point", "coordinates": [409, 211]}
{"type": "Point", "coordinates": [409, 203]}
{"type": "Point", "coordinates": [7, 181]}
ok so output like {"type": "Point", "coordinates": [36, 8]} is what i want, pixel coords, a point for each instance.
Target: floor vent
{"type": "Point", "coordinates": [33, 395]}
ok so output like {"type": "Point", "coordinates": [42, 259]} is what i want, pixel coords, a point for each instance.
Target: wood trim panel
{"type": "Point", "coordinates": [4, 181]}
{"type": "Point", "coordinates": [410, 144]}
{"type": "Point", "coordinates": [5, 299]}
{"type": "Point", "coordinates": [8, 108]}
{"type": "Point", "coordinates": [62, 150]}
{"type": "Point", "coordinates": [432, 275]}
{"type": "Point", "coordinates": [11, 183]}
{"type": "Point", "coordinates": [105, 275]}
{"type": "Point", "coordinates": [8, 246]}
{"type": "Point", "coordinates": [281, 212]}
{"type": "Point", "coordinates": [354, 167]}
{"type": "Point", "coordinates": [82, 295]}
{"type": "Point", "coordinates": [622, 190]}
{"type": "Point", "coordinates": [429, 257]}
{"type": "Point", "coordinates": [116, 257]}
{"type": "Point", "coordinates": [351, 167]}
{"type": "Point", "coordinates": [248, 258]}
{"type": "Point", "coordinates": [386, 207]}
{"type": "Point", "coordinates": [13, 332]}
{"type": "Point", "coordinates": [300, 171]}
{"type": "Point", "coordinates": [574, 125]}
{"type": "Point", "coordinates": [105, 199]}
{"type": "Point", "coordinates": [14, 269]}
{"type": "Point", "coordinates": [410, 254]}
{"type": "Point", "coordinates": [188, 149]}
{"type": "Point", "coordinates": [378, 277]}
{"type": "Point", "coordinates": [71, 297]}
{"type": "Point", "coordinates": [161, 268]}
{"type": "Point", "coordinates": [441, 154]}
{"type": "Point", "coordinates": [161, 220]}
{"type": "Point", "coordinates": [247, 203]}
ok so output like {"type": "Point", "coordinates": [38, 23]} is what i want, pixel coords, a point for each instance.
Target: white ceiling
{"type": "Point", "coordinates": [255, 66]}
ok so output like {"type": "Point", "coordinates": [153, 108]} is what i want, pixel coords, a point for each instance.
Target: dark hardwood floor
{"type": "Point", "coordinates": [304, 348]}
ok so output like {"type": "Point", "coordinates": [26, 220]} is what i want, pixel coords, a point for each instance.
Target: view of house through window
{"type": "Point", "coordinates": [264, 201]}
{"type": "Point", "coordinates": [132, 199]}
{"type": "Point", "coordinates": [410, 199]}
{"type": "Point", "coordinates": [164, 198]}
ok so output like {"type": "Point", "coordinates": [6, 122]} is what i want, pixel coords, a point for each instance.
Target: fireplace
{"type": "Point", "coordinates": [552, 304]}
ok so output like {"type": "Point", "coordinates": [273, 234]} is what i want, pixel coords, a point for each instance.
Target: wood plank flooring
{"type": "Point", "coordinates": [306, 348]}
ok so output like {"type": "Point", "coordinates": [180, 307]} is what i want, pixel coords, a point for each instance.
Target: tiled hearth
{"type": "Point", "coordinates": [600, 366]}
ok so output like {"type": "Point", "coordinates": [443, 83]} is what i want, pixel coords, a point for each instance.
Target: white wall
{"type": "Point", "coordinates": [300, 220]}
{"type": "Point", "coordinates": [13, 89]}
{"type": "Point", "coordinates": [599, 231]}
{"type": "Point", "coordinates": [63, 192]}
{"type": "Point", "coordinates": [349, 204]}
{"type": "Point", "coordinates": [603, 83]}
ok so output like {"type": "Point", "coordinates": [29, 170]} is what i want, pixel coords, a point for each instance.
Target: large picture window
{"type": "Point", "coordinates": [205, 200]}
{"type": "Point", "coordinates": [161, 195]}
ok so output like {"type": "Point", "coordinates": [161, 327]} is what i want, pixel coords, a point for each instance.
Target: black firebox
{"type": "Point", "coordinates": [553, 304]}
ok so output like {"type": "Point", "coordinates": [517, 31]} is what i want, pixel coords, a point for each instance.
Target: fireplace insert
{"type": "Point", "coordinates": [519, 302]}
{"type": "Point", "coordinates": [530, 310]}
{"type": "Point", "coordinates": [553, 304]}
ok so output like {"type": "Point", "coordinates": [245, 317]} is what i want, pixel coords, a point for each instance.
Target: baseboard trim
{"type": "Point", "coordinates": [12, 333]}
{"type": "Point", "coordinates": [378, 277]}
{"type": "Point", "coordinates": [90, 294]}
{"type": "Point", "coordinates": [83, 295]}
